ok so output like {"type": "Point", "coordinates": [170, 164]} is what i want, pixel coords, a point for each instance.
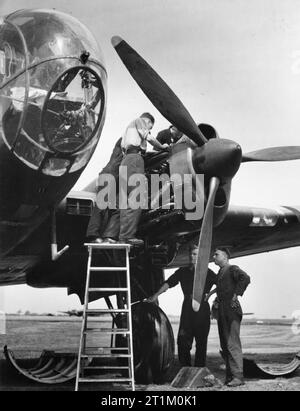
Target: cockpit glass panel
{"type": "Point", "coordinates": [52, 90]}
{"type": "Point", "coordinates": [71, 114]}
{"type": "Point", "coordinates": [82, 159]}
{"type": "Point", "coordinates": [12, 53]}
{"type": "Point", "coordinates": [12, 98]}
{"type": "Point", "coordinates": [30, 153]}
{"type": "Point", "coordinates": [56, 166]}
{"type": "Point", "coordinates": [52, 33]}
{"type": "Point", "coordinates": [12, 62]}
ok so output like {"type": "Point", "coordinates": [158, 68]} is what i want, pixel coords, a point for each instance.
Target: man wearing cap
{"type": "Point", "coordinates": [134, 145]}
{"type": "Point", "coordinates": [231, 283]}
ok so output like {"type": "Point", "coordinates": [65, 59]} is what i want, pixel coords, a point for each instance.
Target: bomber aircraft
{"type": "Point", "coordinates": [53, 85]}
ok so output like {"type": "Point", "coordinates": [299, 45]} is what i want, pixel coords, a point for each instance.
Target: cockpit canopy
{"type": "Point", "coordinates": [52, 90]}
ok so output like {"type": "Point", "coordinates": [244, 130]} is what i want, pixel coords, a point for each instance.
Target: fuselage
{"type": "Point", "coordinates": [26, 198]}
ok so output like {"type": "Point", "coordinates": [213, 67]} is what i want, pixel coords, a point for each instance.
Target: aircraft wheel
{"type": "Point", "coordinates": [153, 343]}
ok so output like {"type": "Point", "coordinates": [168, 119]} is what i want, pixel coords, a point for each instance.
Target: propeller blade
{"type": "Point", "coordinates": [158, 92]}
{"type": "Point", "coordinates": [284, 153]}
{"type": "Point", "coordinates": [204, 247]}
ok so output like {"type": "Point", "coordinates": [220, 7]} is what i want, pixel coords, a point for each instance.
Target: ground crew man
{"type": "Point", "coordinates": [104, 223]}
{"type": "Point", "coordinates": [231, 283]}
{"type": "Point", "coordinates": [192, 324]}
{"type": "Point", "coordinates": [169, 136]}
{"type": "Point", "coordinates": [134, 145]}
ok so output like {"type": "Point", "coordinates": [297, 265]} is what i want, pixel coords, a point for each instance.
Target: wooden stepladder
{"type": "Point", "coordinates": [86, 371]}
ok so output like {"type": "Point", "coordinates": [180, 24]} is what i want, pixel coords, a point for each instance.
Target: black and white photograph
{"type": "Point", "coordinates": [149, 201]}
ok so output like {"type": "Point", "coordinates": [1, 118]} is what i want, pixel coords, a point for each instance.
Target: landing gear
{"type": "Point", "coordinates": [153, 342]}
{"type": "Point", "coordinates": [153, 339]}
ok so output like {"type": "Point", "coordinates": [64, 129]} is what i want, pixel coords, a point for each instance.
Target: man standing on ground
{"type": "Point", "coordinates": [192, 324]}
{"type": "Point", "coordinates": [231, 283]}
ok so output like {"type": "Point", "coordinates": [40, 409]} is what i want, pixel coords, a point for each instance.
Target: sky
{"type": "Point", "coordinates": [236, 65]}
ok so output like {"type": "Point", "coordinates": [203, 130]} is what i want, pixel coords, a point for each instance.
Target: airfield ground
{"type": "Point", "coordinates": [272, 341]}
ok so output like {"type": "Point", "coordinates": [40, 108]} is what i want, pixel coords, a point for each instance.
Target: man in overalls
{"type": "Point", "coordinates": [193, 324]}
{"type": "Point", "coordinates": [231, 283]}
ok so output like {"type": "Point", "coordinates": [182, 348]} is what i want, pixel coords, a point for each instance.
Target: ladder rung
{"type": "Point", "coordinates": [108, 289]}
{"type": "Point", "coordinates": [108, 310]}
{"type": "Point", "coordinates": [108, 268]}
{"type": "Point", "coordinates": [108, 330]}
{"type": "Point", "coordinates": [106, 367]}
{"type": "Point", "coordinates": [106, 348]}
{"type": "Point", "coordinates": [105, 355]}
{"type": "Point", "coordinates": [109, 246]}
{"type": "Point", "coordinates": [105, 380]}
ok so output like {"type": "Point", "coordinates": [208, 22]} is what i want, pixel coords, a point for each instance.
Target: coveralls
{"type": "Point", "coordinates": [105, 223]}
{"type": "Point", "coordinates": [192, 324]}
{"type": "Point", "coordinates": [231, 280]}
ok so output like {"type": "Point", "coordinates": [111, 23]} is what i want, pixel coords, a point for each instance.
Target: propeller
{"type": "Point", "coordinates": [217, 158]}
{"type": "Point", "coordinates": [158, 92]}
{"type": "Point", "coordinates": [284, 153]}
{"type": "Point", "coordinates": [204, 246]}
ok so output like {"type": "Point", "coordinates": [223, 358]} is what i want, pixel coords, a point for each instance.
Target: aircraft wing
{"type": "Point", "coordinates": [253, 230]}
{"type": "Point", "coordinates": [14, 269]}
{"type": "Point", "coordinates": [245, 230]}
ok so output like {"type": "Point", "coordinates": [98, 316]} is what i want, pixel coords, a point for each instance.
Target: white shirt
{"type": "Point", "coordinates": [136, 134]}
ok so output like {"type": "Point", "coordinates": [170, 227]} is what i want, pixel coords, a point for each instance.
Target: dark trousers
{"type": "Point", "coordinates": [98, 221]}
{"type": "Point", "coordinates": [129, 218]}
{"type": "Point", "coordinates": [229, 322]}
{"type": "Point", "coordinates": [193, 325]}
{"type": "Point", "coordinates": [104, 223]}
{"type": "Point", "coordinates": [112, 229]}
